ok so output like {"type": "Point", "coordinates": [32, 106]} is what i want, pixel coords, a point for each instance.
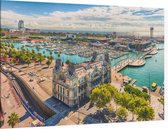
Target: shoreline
{"type": "Point", "coordinates": [148, 71]}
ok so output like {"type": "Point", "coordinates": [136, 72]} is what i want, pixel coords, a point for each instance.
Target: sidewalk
{"type": "Point", "coordinates": [11, 104]}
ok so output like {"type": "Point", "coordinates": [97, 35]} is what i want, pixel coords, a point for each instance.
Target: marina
{"type": "Point", "coordinates": [124, 63]}
{"type": "Point", "coordinates": [152, 71]}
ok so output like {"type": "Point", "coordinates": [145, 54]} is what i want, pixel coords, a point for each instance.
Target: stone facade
{"type": "Point", "coordinates": [73, 83]}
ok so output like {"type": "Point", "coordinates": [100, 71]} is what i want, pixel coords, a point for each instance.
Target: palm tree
{"type": "Point", "coordinates": [35, 58]}
{"type": "Point", "coordinates": [28, 61]}
{"type": "Point", "coordinates": [22, 47]}
{"type": "Point", "coordinates": [12, 46]}
{"type": "Point", "coordinates": [13, 119]}
{"type": "Point", "coordinates": [41, 58]}
{"type": "Point", "coordinates": [48, 63]}
{"type": "Point", "coordinates": [51, 58]}
{"type": "Point", "coordinates": [33, 52]}
{"type": "Point", "coordinates": [12, 62]}
{"type": "Point", "coordinates": [37, 49]}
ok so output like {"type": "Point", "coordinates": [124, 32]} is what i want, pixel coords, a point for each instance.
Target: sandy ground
{"type": "Point", "coordinates": [10, 104]}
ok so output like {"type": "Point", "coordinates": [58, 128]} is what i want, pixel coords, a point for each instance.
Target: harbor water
{"type": "Point", "coordinates": [152, 71]}
{"type": "Point", "coordinates": [73, 58]}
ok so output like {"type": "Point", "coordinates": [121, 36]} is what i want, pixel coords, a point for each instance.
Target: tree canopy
{"type": "Point", "coordinates": [134, 91]}
{"type": "Point", "coordinates": [121, 113]}
{"type": "Point", "coordinates": [100, 96]}
{"type": "Point", "coordinates": [145, 113]}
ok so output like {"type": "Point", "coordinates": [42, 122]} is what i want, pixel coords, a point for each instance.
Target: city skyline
{"type": "Point", "coordinates": [49, 16]}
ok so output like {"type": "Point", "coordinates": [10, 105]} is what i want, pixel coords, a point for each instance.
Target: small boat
{"type": "Point", "coordinates": [148, 56]}
{"type": "Point", "coordinates": [50, 49]}
{"type": "Point", "coordinates": [41, 47]}
{"type": "Point", "coordinates": [154, 86]}
{"type": "Point", "coordinates": [55, 52]}
{"type": "Point", "coordinates": [160, 48]}
{"type": "Point", "coordinates": [155, 51]}
{"type": "Point", "coordinates": [47, 49]}
{"type": "Point", "coordinates": [45, 44]}
{"type": "Point", "coordinates": [23, 42]}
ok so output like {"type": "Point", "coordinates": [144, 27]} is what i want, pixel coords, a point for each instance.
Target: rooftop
{"type": "Point", "coordinates": [84, 68]}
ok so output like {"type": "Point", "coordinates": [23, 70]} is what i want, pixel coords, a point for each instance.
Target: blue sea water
{"type": "Point", "coordinates": [152, 71]}
{"type": "Point", "coordinates": [73, 58]}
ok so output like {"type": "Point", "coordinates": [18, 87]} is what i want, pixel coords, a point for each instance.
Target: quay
{"type": "Point", "coordinates": [132, 82]}
{"type": "Point", "coordinates": [139, 61]}
{"type": "Point", "coordinates": [156, 92]}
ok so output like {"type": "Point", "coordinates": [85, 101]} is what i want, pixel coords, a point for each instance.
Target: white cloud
{"type": "Point", "coordinates": [96, 18]}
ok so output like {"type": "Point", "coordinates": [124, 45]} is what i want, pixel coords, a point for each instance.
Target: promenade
{"type": "Point", "coordinates": [11, 103]}
{"type": "Point", "coordinates": [117, 81]}
{"type": "Point", "coordinates": [139, 61]}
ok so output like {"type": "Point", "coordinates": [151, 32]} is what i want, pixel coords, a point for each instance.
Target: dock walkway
{"type": "Point", "coordinates": [137, 62]}
{"type": "Point", "coordinates": [132, 82]}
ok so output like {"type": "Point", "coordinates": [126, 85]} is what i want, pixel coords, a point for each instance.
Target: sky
{"type": "Point", "coordinates": [56, 16]}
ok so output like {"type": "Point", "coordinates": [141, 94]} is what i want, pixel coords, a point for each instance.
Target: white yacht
{"type": "Point", "coordinates": [154, 52]}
